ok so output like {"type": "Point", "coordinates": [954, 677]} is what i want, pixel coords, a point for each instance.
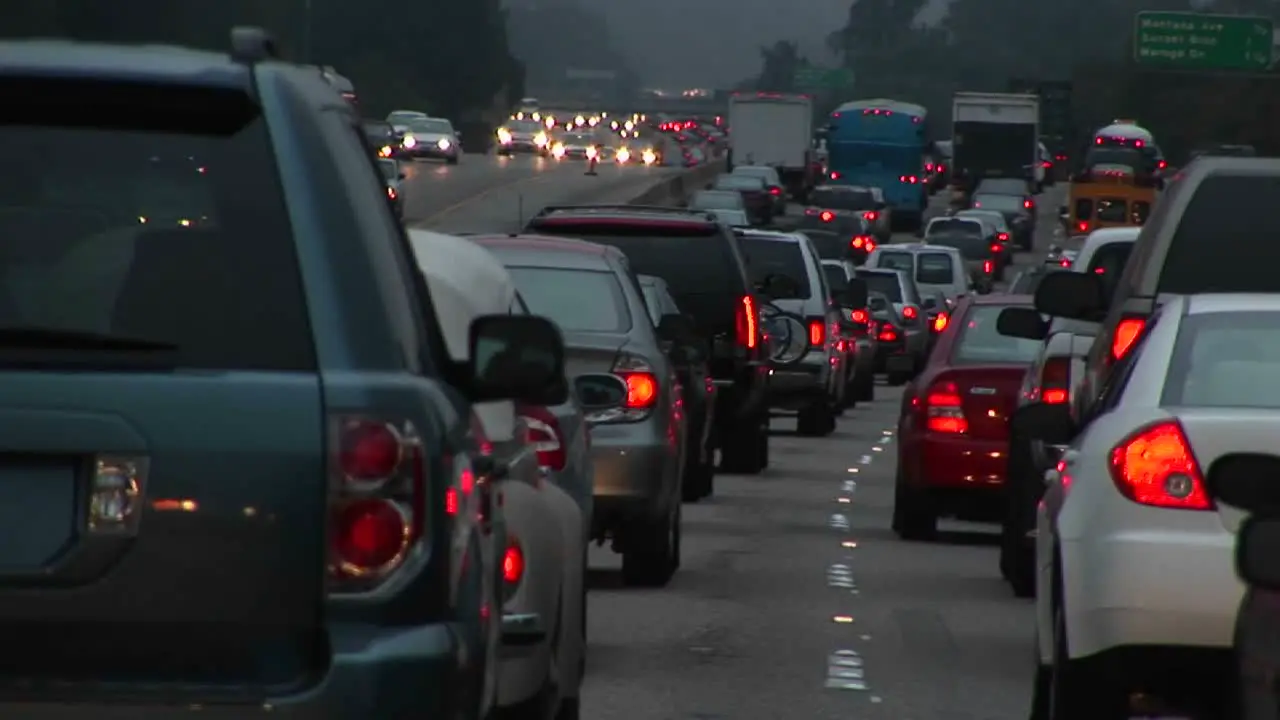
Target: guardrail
{"type": "Point", "coordinates": [679, 187]}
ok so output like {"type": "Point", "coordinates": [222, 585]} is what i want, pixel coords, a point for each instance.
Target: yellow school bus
{"type": "Point", "coordinates": [1109, 197]}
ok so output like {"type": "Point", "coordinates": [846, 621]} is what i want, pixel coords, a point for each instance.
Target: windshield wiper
{"type": "Point", "coordinates": [34, 337]}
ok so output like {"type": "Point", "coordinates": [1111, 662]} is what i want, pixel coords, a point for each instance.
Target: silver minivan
{"type": "Point", "coordinates": [786, 269]}
{"type": "Point", "coordinates": [934, 267]}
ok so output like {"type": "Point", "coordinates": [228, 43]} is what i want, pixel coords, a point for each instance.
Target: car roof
{"type": "Point", "coordinates": [158, 64]}
{"type": "Point", "coordinates": [1000, 299]}
{"type": "Point", "coordinates": [638, 215]}
{"type": "Point", "coordinates": [545, 251]}
{"type": "Point", "coordinates": [1231, 302]}
{"type": "Point", "coordinates": [777, 235]}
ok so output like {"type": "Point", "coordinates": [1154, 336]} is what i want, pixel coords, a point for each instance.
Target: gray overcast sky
{"type": "Point", "coordinates": [715, 43]}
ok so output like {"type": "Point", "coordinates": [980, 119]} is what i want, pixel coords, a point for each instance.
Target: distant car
{"type": "Point", "coordinates": [1019, 211]}
{"type": "Point", "coordinates": [903, 337]}
{"type": "Point", "coordinates": [759, 203]}
{"type": "Point", "coordinates": [383, 138]}
{"type": "Point", "coordinates": [855, 325]}
{"type": "Point", "coordinates": [432, 138]}
{"type": "Point", "coordinates": [394, 175]}
{"type": "Point", "coordinates": [772, 183]}
{"type": "Point", "coordinates": [867, 201]}
{"type": "Point", "coordinates": [934, 267]}
{"type": "Point", "coordinates": [858, 241]}
{"type": "Point", "coordinates": [718, 200]}
{"type": "Point", "coordinates": [523, 136]}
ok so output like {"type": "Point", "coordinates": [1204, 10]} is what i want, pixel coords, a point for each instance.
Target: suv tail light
{"type": "Point", "coordinates": [859, 316]}
{"type": "Point", "coordinates": [746, 323]}
{"type": "Point", "coordinates": [817, 332]}
{"type": "Point", "coordinates": [1028, 204]}
{"type": "Point", "coordinates": [871, 216]}
{"type": "Point", "coordinates": [1003, 237]}
{"type": "Point", "coordinates": [642, 389]}
{"type": "Point", "coordinates": [542, 431]}
{"type": "Point", "coordinates": [997, 248]}
{"type": "Point", "coordinates": [1125, 335]}
{"type": "Point", "coordinates": [377, 499]}
{"type": "Point", "coordinates": [987, 266]}
{"type": "Point", "coordinates": [888, 333]}
{"type": "Point", "coordinates": [909, 312]}
{"type": "Point", "coordinates": [1155, 466]}
{"type": "Point", "coordinates": [863, 242]}
{"type": "Point", "coordinates": [943, 413]}
{"type": "Point", "coordinates": [512, 567]}
{"type": "Point", "coordinates": [775, 191]}
{"type": "Point", "coordinates": [826, 216]}
{"type": "Point", "coordinates": [1055, 380]}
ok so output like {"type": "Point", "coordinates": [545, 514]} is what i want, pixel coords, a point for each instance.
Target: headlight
{"type": "Point", "coordinates": [558, 150]}
{"type": "Point", "coordinates": [385, 151]}
{"type": "Point", "coordinates": [504, 136]}
{"type": "Point", "coordinates": [443, 143]}
{"type": "Point", "coordinates": [409, 141]}
{"type": "Point", "coordinates": [592, 152]}
{"type": "Point", "coordinates": [540, 139]}
{"type": "Point", "coordinates": [623, 155]}
{"type": "Point", "coordinates": [649, 157]}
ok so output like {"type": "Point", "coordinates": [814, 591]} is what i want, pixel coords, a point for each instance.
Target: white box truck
{"type": "Point", "coordinates": [777, 130]}
{"type": "Point", "coordinates": [995, 135]}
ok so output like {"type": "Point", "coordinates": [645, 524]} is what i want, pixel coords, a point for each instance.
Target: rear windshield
{"type": "Point", "coordinates": [739, 182]}
{"type": "Point", "coordinates": [152, 216]}
{"type": "Point", "coordinates": [842, 199]}
{"type": "Point", "coordinates": [836, 279]}
{"type": "Point", "coordinates": [830, 246]}
{"type": "Point", "coordinates": [953, 225]}
{"type": "Point", "coordinates": [691, 261]}
{"type": "Point", "coordinates": [708, 199]}
{"type": "Point", "coordinates": [1112, 210]}
{"type": "Point", "coordinates": [971, 247]}
{"type": "Point", "coordinates": [1225, 239]}
{"type": "Point", "coordinates": [884, 283]}
{"type": "Point", "coordinates": [934, 269]}
{"type": "Point", "coordinates": [1003, 187]}
{"type": "Point", "coordinates": [1225, 360]}
{"type": "Point", "coordinates": [980, 343]}
{"type": "Point", "coordinates": [732, 218]}
{"type": "Point", "coordinates": [776, 257]}
{"type": "Point", "coordinates": [904, 261]}
{"type": "Point", "coordinates": [1003, 203]}
{"type": "Point", "coordinates": [390, 169]}
{"type": "Point", "coordinates": [543, 290]}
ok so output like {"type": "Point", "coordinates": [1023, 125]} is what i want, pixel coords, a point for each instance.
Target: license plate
{"type": "Point", "coordinates": [37, 510]}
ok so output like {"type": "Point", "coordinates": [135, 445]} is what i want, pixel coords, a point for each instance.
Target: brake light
{"type": "Point", "coordinates": [986, 266]}
{"type": "Point", "coordinates": [542, 431]}
{"type": "Point", "coordinates": [827, 216]}
{"type": "Point", "coordinates": [909, 179]}
{"type": "Point", "coordinates": [928, 167]}
{"type": "Point", "coordinates": [391, 192]}
{"type": "Point", "coordinates": [1055, 378]}
{"type": "Point", "coordinates": [940, 322]}
{"type": "Point", "coordinates": [1083, 226]}
{"type": "Point", "coordinates": [1046, 164]}
{"type": "Point", "coordinates": [746, 323]}
{"type": "Point", "coordinates": [1064, 263]}
{"type": "Point", "coordinates": [1125, 335]}
{"type": "Point", "coordinates": [858, 242]}
{"type": "Point", "coordinates": [909, 312]}
{"type": "Point", "coordinates": [1155, 466]}
{"type": "Point", "coordinates": [871, 245]}
{"type": "Point", "coordinates": [1028, 204]}
{"type": "Point", "coordinates": [835, 176]}
{"type": "Point", "coordinates": [859, 316]}
{"type": "Point", "coordinates": [997, 248]}
{"type": "Point", "coordinates": [817, 333]}
{"type": "Point", "coordinates": [775, 191]}
{"type": "Point", "coordinates": [642, 390]}
{"type": "Point", "coordinates": [871, 216]}
{"type": "Point", "coordinates": [376, 507]}
{"type": "Point", "coordinates": [512, 567]}
{"type": "Point", "coordinates": [943, 413]}
{"type": "Point", "coordinates": [888, 333]}
{"type": "Point", "coordinates": [1162, 165]}
{"type": "Point", "coordinates": [1003, 237]}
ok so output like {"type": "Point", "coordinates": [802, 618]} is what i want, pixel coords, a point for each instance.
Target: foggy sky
{"type": "Point", "coordinates": [716, 43]}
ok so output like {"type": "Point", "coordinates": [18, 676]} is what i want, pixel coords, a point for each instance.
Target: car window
{"type": "Point", "coordinates": [934, 269]}
{"type": "Point", "coordinates": [1084, 209]}
{"type": "Point", "coordinates": [1003, 186]}
{"type": "Point", "coordinates": [543, 289]}
{"type": "Point", "coordinates": [1026, 282]}
{"type": "Point", "coordinates": [842, 199]}
{"type": "Point", "coordinates": [1223, 241]}
{"type": "Point", "coordinates": [172, 228]}
{"type": "Point", "coordinates": [1003, 203]}
{"type": "Point", "coordinates": [708, 199]}
{"type": "Point", "coordinates": [1226, 359]}
{"type": "Point", "coordinates": [652, 302]}
{"type": "Point", "coordinates": [836, 277]}
{"type": "Point", "coordinates": [971, 247]}
{"type": "Point", "coordinates": [776, 257]}
{"type": "Point", "coordinates": [1112, 210]}
{"type": "Point", "coordinates": [829, 245]}
{"type": "Point", "coordinates": [886, 284]}
{"type": "Point", "coordinates": [431, 125]}
{"type": "Point", "coordinates": [896, 261]}
{"type": "Point", "coordinates": [960, 225]}
{"type": "Point", "coordinates": [697, 261]}
{"type": "Point", "coordinates": [980, 342]}
{"type": "Point", "coordinates": [1139, 212]}
{"type": "Point", "coordinates": [732, 218]}
{"type": "Point", "coordinates": [1108, 261]}
{"type": "Point", "coordinates": [739, 182]}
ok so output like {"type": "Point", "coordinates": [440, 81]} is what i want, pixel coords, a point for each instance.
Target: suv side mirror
{"type": "Point", "coordinates": [599, 391]}
{"type": "Point", "coordinates": [516, 357]}
{"type": "Point", "coordinates": [1074, 295]}
{"type": "Point", "coordinates": [1022, 322]}
{"type": "Point", "coordinates": [1051, 424]}
{"type": "Point", "coordinates": [1245, 481]}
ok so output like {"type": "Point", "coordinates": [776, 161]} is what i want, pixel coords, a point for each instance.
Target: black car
{"type": "Point", "coordinates": [851, 226]}
{"type": "Point", "coordinates": [382, 137]}
{"type": "Point", "coordinates": [248, 467]}
{"type": "Point", "coordinates": [699, 259]}
{"type": "Point", "coordinates": [1019, 210]}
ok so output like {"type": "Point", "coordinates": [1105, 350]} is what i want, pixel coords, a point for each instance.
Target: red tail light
{"type": "Point", "coordinates": [1155, 466]}
{"type": "Point", "coordinates": [943, 413]}
{"type": "Point", "coordinates": [986, 266]}
{"type": "Point", "coordinates": [997, 248]}
{"type": "Point", "coordinates": [928, 167]}
{"type": "Point", "coordinates": [1028, 204]}
{"type": "Point", "coordinates": [835, 176]}
{"type": "Point", "coordinates": [512, 567]}
{"type": "Point", "coordinates": [871, 216]}
{"type": "Point", "coordinates": [1083, 226]}
{"type": "Point", "coordinates": [377, 499]}
{"type": "Point", "coordinates": [746, 323]}
{"type": "Point", "coordinates": [1003, 237]}
{"type": "Point", "coordinates": [827, 216]}
{"type": "Point", "coordinates": [859, 242]}
{"type": "Point", "coordinates": [391, 192]}
{"type": "Point", "coordinates": [909, 179]}
{"type": "Point", "coordinates": [1162, 165]}
{"type": "Point", "coordinates": [910, 313]}
{"type": "Point", "coordinates": [859, 316]}
{"type": "Point", "coordinates": [1125, 335]}
{"type": "Point", "coordinates": [871, 245]}
{"type": "Point", "coordinates": [940, 322]}
{"type": "Point", "coordinates": [1055, 380]}
{"type": "Point", "coordinates": [775, 191]}
{"type": "Point", "coordinates": [942, 168]}
{"type": "Point", "coordinates": [817, 332]}
{"type": "Point", "coordinates": [1064, 263]}
{"type": "Point", "coordinates": [888, 333]}
{"type": "Point", "coordinates": [542, 431]}
{"type": "Point", "coordinates": [642, 390]}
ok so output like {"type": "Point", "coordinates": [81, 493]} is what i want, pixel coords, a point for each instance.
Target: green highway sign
{"type": "Point", "coordinates": [811, 77]}
{"type": "Point", "coordinates": [1196, 41]}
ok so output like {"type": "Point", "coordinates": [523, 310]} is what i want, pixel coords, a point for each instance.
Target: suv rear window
{"type": "Point", "coordinates": [842, 199]}
{"type": "Point", "coordinates": [543, 290]}
{"type": "Point", "coordinates": [149, 214]}
{"type": "Point", "coordinates": [904, 261]}
{"type": "Point", "coordinates": [935, 269]}
{"type": "Point", "coordinates": [767, 257]}
{"type": "Point", "coordinates": [691, 257]}
{"type": "Point", "coordinates": [1225, 240]}
{"type": "Point", "coordinates": [884, 283]}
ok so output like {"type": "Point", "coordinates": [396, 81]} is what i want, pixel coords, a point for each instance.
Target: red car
{"type": "Point", "coordinates": [953, 432]}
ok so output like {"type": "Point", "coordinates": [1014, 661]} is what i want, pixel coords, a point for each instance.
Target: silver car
{"type": "Point", "coordinates": [904, 341]}
{"type": "Point", "coordinates": [934, 267]}
{"type": "Point", "coordinates": [786, 268]}
{"type": "Point", "coordinates": [432, 138]}
{"type": "Point", "coordinates": [860, 344]}
{"type": "Point", "coordinates": [638, 446]}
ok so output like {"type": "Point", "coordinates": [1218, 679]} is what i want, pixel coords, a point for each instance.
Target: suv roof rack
{"type": "Point", "coordinates": [622, 207]}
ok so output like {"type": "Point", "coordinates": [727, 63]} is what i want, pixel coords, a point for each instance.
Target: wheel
{"type": "Point", "coordinates": [913, 515]}
{"type": "Point", "coordinates": [816, 419]}
{"type": "Point", "coordinates": [653, 552]}
{"type": "Point", "coordinates": [698, 480]}
{"type": "Point", "coordinates": [1077, 690]}
{"type": "Point", "coordinates": [744, 449]}
{"type": "Point", "coordinates": [1017, 559]}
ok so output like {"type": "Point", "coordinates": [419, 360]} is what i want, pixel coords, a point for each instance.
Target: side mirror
{"type": "Point", "coordinates": [778, 287]}
{"type": "Point", "coordinates": [1078, 296]}
{"type": "Point", "coordinates": [1050, 424]}
{"type": "Point", "coordinates": [516, 357]}
{"type": "Point", "coordinates": [599, 391]}
{"type": "Point", "coordinates": [1256, 544]}
{"type": "Point", "coordinates": [1247, 481]}
{"type": "Point", "coordinates": [1022, 322]}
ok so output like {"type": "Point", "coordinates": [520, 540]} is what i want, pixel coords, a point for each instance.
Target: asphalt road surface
{"type": "Point", "coordinates": [795, 600]}
{"type": "Point", "coordinates": [491, 193]}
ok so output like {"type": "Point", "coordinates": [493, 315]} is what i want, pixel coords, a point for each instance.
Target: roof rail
{"type": "Point", "coordinates": [251, 45]}
{"type": "Point", "coordinates": [624, 207]}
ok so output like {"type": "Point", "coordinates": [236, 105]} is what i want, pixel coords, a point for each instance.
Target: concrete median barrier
{"type": "Point", "coordinates": [678, 188]}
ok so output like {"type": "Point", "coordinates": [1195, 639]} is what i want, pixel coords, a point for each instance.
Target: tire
{"type": "Point", "coordinates": [816, 419]}
{"type": "Point", "coordinates": [913, 515]}
{"type": "Point", "coordinates": [570, 709]}
{"type": "Point", "coordinates": [653, 554]}
{"type": "Point", "coordinates": [744, 450]}
{"type": "Point", "coordinates": [699, 478]}
{"type": "Point", "coordinates": [1077, 690]}
{"type": "Point", "coordinates": [1017, 560]}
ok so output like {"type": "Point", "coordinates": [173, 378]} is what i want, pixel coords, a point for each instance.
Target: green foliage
{"type": "Point", "coordinates": [446, 58]}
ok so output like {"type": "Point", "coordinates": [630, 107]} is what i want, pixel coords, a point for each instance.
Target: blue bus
{"type": "Point", "coordinates": [882, 143]}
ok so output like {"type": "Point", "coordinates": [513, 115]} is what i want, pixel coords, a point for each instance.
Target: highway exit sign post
{"type": "Point", "coordinates": [1196, 41]}
{"type": "Point", "coordinates": [812, 77]}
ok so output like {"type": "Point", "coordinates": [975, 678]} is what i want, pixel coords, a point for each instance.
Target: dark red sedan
{"type": "Point", "coordinates": [953, 433]}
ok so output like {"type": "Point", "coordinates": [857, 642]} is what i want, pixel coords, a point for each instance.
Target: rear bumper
{"type": "Point", "coordinates": [398, 674]}
{"type": "Point", "coordinates": [795, 386]}
{"type": "Point", "coordinates": [635, 469]}
{"type": "Point", "coordinates": [962, 463]}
